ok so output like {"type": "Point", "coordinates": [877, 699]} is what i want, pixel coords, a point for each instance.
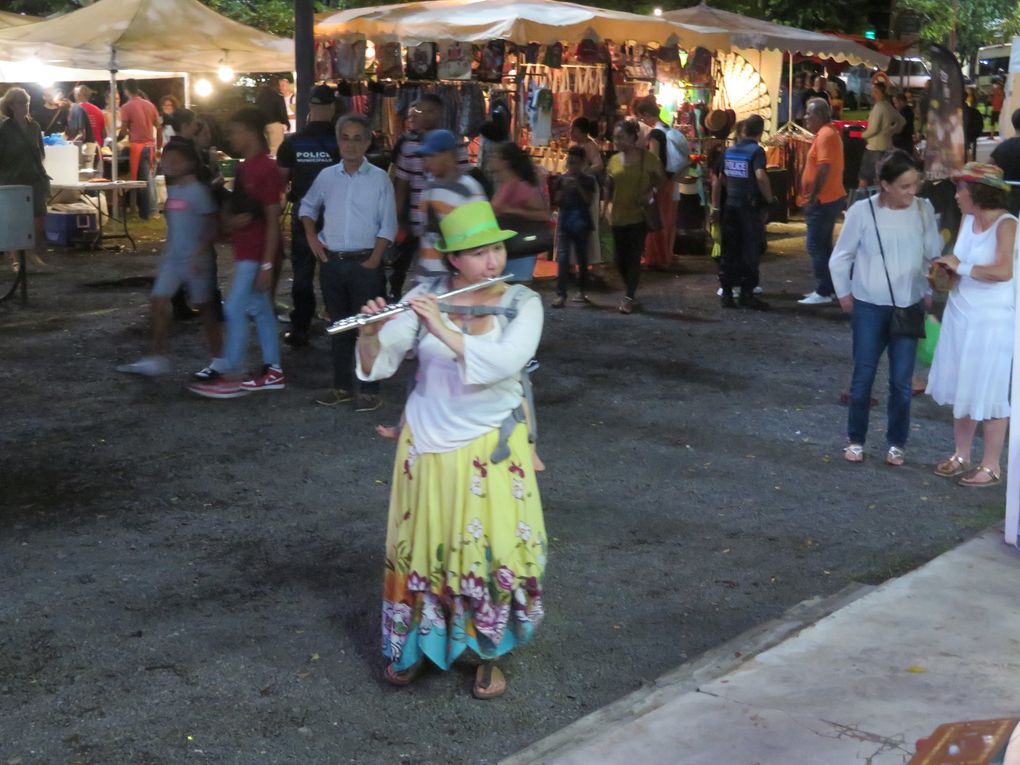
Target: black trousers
{"type": "Point", "coordinates": [346, 286]}
{"type": "Point", "coordinates": [629, 243]}
{"type": "Point", "coordinates": [743, 233]}
{"type": "Point", "coordinates": [401, 264]}
{"type": "Point", "coordinates": [302, 291]}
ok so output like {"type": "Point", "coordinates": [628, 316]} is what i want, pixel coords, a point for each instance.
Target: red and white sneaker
{"type": "Point", "coordinates": [219, 387]}
{"type": "Point", "coordinates": [270, 379]}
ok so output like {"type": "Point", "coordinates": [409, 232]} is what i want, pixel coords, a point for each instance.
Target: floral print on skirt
{"type": "Point", "coordinates": [465, 552]}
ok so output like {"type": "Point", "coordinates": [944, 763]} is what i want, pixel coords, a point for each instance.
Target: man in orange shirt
{"type": "Point", "coordinates": [139, 121]}
{"type": "Point", "coordinates": [822, 196]}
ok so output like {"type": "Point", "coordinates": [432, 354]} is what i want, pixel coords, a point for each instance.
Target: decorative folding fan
{"type": "Point", "coordinates": [740, 87]}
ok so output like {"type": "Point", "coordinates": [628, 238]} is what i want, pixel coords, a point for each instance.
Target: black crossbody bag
{"type": "Point", "coordinates": [909, 321]}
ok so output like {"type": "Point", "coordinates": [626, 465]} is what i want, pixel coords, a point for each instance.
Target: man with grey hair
{"type": "Point", "coordinates": [359, 220]}
{"type": "Point", "coordinates": [822, 196]}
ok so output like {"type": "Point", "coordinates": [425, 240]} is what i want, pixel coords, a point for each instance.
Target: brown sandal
{"type": "Point", "coordinates": [489, 681]}
{"type": "Point", "coordinates": [952, 467]}
{"type": "Point", "coordinates": [401, 678]}
{"type": "Point", "coordinates": [969, 482]}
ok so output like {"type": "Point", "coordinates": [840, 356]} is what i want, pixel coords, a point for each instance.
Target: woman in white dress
{"type": "Point", "coordinates": [974, 356]}
{"type": "Point", "coordinates": [880, 261]}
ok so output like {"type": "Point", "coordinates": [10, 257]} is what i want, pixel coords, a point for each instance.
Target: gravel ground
{"type": "Point", "coordinates": [199, 581]}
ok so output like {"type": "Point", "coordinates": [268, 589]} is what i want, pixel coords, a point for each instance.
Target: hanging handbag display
{"type": "Point", "coordinates": [908, 321]}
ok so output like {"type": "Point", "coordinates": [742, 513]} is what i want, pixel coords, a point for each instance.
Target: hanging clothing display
{"type": "Point", "coordinates": [349, 58]}
{"type": "Point", "coordinates": [421, 61]}
{"type": "Point", "coordinates": [455, 61]}
{"type": "Point", "coordinates": [388, 61]}
{"type": "Point", "coordinates": [490, 68]}
{"type": "Point", "coordinates": [540, 112]}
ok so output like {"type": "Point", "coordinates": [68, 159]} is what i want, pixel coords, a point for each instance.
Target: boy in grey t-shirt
{"type": "Point", "coordinates": [187, 259]}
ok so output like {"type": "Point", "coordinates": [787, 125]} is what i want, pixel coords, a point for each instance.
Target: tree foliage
{"type": "Point", "coordinates": [977, 22]}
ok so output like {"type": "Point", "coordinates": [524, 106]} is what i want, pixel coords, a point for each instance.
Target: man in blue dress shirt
{"type": "Point", "coordinates": [359, 215]}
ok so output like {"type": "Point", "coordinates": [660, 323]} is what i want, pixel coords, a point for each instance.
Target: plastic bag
{"type": "Point", "coordinates": [926, 346]}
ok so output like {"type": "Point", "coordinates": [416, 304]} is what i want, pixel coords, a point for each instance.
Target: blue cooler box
{"type": "Point", "coordinates": [71, 223]}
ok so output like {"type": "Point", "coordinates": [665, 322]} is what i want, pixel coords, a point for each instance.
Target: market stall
{"type": "Point", "coordinates": [155, 35]}
{"type": "Point", "coordinates": [506, 52]}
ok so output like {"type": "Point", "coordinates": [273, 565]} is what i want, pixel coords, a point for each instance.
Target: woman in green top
{"type": "Point", "coordinates": [21, 155]}
{"type": "Point", "coordinates": [631, 177]}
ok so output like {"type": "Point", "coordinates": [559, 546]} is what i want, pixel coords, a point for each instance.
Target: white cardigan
{"type": "Point", "coordinates": [911, 240]}
{"type": "Point", "coordinates": [455, 401]}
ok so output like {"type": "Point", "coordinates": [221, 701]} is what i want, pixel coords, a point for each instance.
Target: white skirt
{"type": "Point", "coordinates": [973, 361]}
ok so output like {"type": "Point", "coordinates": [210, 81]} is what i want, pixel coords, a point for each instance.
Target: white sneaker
{"type": "Point", "coordinates": [736, 291]}
{"type": "Point", "coordinates": [147, 366]}
{"type": "Point", "coordinates": [814, 299]}
{"type": "Point", "coordinates": [759, 291]}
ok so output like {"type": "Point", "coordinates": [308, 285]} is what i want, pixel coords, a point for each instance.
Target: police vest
{"type": "Point", "coordinates": [313, 153]}
{"type": "Point", "coordinates": [738, 167]}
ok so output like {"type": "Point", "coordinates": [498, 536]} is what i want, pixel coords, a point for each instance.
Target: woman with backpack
{"type": "Point", "coordinates": [662, 143]}
{"type": "Point", "coordinates": [466, 545]}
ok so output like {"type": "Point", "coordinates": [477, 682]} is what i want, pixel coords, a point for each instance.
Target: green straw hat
{"type": "Point", "coordinates": [470, 226]}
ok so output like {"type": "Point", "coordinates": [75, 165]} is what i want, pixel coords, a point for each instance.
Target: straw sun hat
{"type": "Point", "coordinates": [981, 172]}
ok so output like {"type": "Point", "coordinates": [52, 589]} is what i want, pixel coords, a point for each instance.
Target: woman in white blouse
{"type": "Point", "coordinates": [974, 355]}
{"type": "Point", "coordinates": [466, 544]}
{"type": "Point", "coordinates": [869, 285]}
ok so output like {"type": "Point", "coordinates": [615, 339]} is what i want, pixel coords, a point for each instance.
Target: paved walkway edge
{"type": "Point", "coordinates": [711, 665]}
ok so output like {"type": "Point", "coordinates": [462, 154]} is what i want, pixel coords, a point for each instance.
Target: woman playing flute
{"type": "Point", "coordinates": [466, 543]}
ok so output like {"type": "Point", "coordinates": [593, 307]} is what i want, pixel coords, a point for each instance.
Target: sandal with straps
{"type": "Point", "coordinates": [404, 677]}
{"type": "Point", "coordinates": [895, 456]}
{"type": "Point", "coordinates": [952, 467]}
{"type": "Point", "coordinates": [853, 453]}
{"type": "Point", "coordinates": [969, 482]}
{"type": "Point", "coordinates": [489, 681]}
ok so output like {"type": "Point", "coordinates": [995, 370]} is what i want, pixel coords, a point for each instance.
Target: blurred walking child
{"type": "Point", "coordinates": [188, 259]}
{"type": "Point", "coordinates": [574, 225]}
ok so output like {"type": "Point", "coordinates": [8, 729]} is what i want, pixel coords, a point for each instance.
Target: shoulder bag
{"type": "Point", "coordinates": [532, 237]}
{"type": "Point", "coordinates": [908, 321]}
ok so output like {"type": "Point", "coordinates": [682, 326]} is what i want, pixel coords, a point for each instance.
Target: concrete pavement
{"type": "Point", "coordinates": [882, 669]}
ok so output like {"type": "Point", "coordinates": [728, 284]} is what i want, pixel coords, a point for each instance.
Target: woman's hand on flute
{"type": "Point", "coordinates": [373, 306]}
{"type": "Point", "coordinates": [427, 308]}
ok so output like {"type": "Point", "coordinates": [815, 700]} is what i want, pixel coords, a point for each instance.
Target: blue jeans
{"type": "Point", "coordinates": [145, 200]}
{"type": "Point", "coordinates": [243, 301]}
{"type": "Point", "coordinates": [821, 221]}
{"type": "Point", "coordinates": [521, 269]}
{"type": "Point", "coordinates": [871, 336]}
{"type": "Point", "coordinates": [565, 239]}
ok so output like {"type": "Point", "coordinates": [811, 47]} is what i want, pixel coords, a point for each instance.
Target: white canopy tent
{"type": "Point", "coordinates": [763, 44]}
{"type": "Point", "coordinates": [154, 35]}
{"type": "Point", "coordinates": [542, 21]}
{"type": "Point", "coordinates": [8, 19]}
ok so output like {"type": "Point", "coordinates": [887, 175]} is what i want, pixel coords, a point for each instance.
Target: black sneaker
{"type": "Point", "coordinates": [753, 302]}
{"type": "Point", "coordinates": [207, 374]}
{"type": "Point", "coordinates": [367, 402]}
{"type": "Point", "coordinates": [727, 301]}
{"type": "Point", "coordinates": [295, 338]}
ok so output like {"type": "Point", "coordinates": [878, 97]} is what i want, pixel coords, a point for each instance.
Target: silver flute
{"type": "Point", "coordinates": [361, 319]}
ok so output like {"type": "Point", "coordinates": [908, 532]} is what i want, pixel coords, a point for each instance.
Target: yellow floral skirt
{"type": "Point", "coordinates": [465, 552]}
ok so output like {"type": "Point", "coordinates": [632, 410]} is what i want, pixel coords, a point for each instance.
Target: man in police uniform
{"type": "Point", "coordinates": [748, 195]}
{"type": "Point", "coordinates": [301, 157]}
